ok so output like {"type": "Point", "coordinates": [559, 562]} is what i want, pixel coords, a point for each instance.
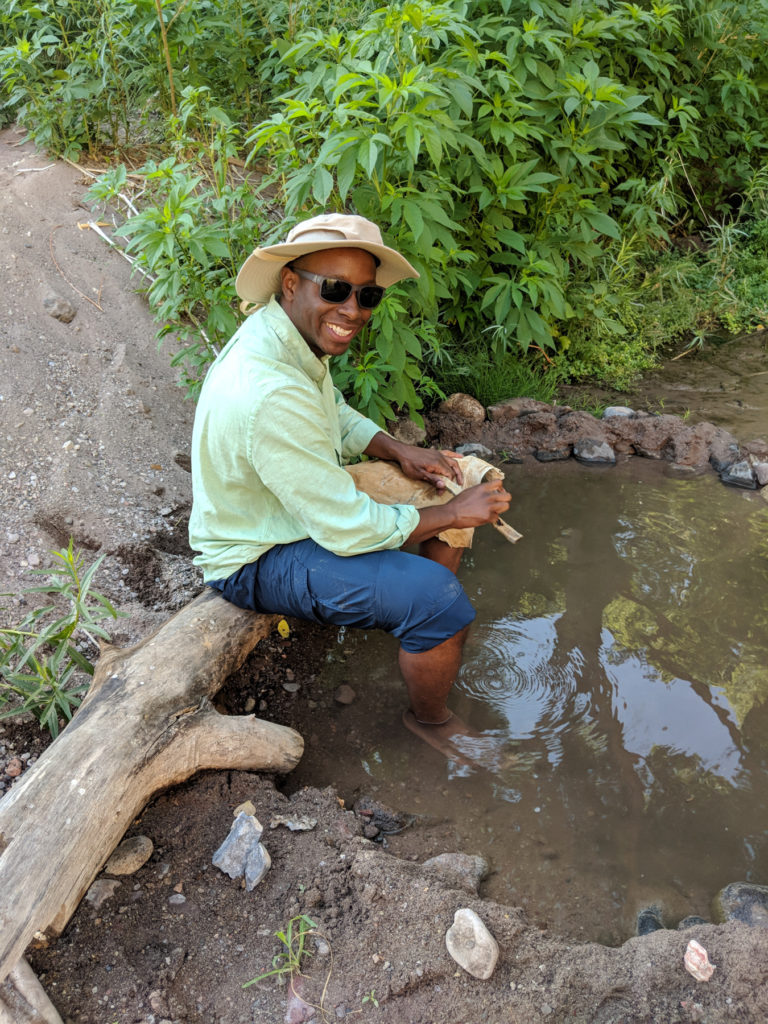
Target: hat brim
{"type": "Point", "coordinates": [259, 276]}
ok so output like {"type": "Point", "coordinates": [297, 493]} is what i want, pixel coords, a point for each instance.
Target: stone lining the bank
{"type": "Point", "coordinates": [524, 427]}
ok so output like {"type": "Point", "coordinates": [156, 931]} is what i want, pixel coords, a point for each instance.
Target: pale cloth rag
{"type": "Point", "coordinates": [386, 483]}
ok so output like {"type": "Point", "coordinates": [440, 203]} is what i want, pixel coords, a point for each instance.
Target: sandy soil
{"type": "Point", "coordinates": [94, 444]}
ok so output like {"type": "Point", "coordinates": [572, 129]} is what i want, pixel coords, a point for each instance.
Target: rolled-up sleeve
{"type": "Point", "coordinates": [301, 468]}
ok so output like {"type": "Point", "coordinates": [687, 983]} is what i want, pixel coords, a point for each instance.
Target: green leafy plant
{"type": "Point", "coordinates": [291, 957]}
{"type": "Point", "coordinates": [370, 997]}
{"type": "Point", "coordinates": [40, 656]}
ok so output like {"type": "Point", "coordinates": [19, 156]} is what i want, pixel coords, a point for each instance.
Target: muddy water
{"type": "Point", "coordinates": [618, 673]}
{"type": "Point", "coordinates": [726, 383]}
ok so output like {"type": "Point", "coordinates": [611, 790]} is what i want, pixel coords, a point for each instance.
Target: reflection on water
{"type": "Point", "coordinates": [618, 669]}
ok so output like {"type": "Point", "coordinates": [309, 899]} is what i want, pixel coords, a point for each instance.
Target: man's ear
{"type": "Point", "coordinates": [288, 282]}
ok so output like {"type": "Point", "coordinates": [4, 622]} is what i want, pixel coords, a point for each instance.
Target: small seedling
{"type": "Point", "coordinates": [371, 998]}
{"type": "Point", "coordinates": [289, 960]}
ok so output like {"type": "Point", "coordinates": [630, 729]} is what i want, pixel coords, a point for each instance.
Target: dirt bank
{"type": "Point", "coordinates": [94, 443]}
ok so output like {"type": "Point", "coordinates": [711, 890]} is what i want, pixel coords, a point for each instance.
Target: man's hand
{"type": "Point", "coordinates": [473, 507]}
{"type": "Point", "coordinates": [431, 465]}
{"type": "Point", "coordinates": [479, 505]}
{"type": "Point", "coordinates": [417, 463]}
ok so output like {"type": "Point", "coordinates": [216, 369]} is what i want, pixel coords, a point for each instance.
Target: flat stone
{"type": "Point", "coordinates": [245, 834]}
{"type": "Point", "coordinates": [743, 901]}
{"type": "Point", "coordinates": [740, 474]}
{"type": "Point", "coordinates": [246, 807]}
{"type": "Point", "coordinates": [461, 869]}
{"type": "Point", "coordinates": [100, 890]}
{"type": "Point", "coordinates": [479, 450]}
{"type": "Point", "coordinates": [129, 856]}
{"type": "Point", "coordinates": [471, 944]}
{"type": "Point", "coordinates": [511, 408]}
{"type": "Point", "coordinates": [761, 472]}
{"type": "Point", "coordinates": [618, 410]}
{"type": "Point", "coordinates": [595, 452]}
{"type": "Point", "coordinates": [558, 454]}
{"type": "Point", "coordinates": [257, 864]}
{"type": "Point", "coordinates": [294, 822]}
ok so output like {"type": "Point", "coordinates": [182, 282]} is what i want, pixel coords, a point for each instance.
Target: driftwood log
{"type": "Point", "coordinates": [147, 723]}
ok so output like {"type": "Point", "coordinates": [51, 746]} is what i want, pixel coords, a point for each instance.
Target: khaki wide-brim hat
{"type": "Point", "coordinates": [259, 276]}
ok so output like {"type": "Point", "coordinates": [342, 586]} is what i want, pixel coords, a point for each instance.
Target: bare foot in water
{"type": "Point", "coordinates": [459, 742]}
{"type": "Point", "coordinates": [442, 737]}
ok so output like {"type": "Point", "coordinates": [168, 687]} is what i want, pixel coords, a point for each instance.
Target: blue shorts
{"type": "Point", "coordinates": [418, 600]}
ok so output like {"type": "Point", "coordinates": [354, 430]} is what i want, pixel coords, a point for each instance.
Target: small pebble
{"type": "Point", "coordinates": [177, 899]}
{"type": "Point", "coordinates": [344, 694]}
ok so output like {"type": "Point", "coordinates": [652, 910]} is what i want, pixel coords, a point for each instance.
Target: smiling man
{"type": "Point", "coordinates": [279, 523]}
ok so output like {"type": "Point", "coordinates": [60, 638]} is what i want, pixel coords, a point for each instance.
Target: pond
{"type": "Point", "coordinates": [618, 669]}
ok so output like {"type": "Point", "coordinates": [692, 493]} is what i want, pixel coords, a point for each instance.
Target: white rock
{"type": "Point", "coordinates": [471, 944]}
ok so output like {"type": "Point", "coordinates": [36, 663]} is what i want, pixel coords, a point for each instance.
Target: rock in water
{"type": "Point", "coordinates": [743, 901]}
{"type": "Point", "coordinates": [471, 944]}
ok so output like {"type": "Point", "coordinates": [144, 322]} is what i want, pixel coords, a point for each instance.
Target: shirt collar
{"type": "Point", "coordinates": [301, 354]}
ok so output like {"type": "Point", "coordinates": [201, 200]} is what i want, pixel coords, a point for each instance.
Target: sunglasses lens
{"type": "Point", "coordinates": [370, 296]}
{"type": "Point", "coordinates": [332, 290]}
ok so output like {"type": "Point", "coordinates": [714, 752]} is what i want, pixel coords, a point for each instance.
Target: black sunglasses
{"type": "Point", "coordinates": [333, 289]}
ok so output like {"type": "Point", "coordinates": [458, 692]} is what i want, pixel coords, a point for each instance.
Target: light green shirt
{"type": "Point", "coordinates": [270, 435]}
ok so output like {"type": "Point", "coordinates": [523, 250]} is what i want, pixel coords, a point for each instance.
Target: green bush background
{"type": "Point", "coordinates": [578, 185]}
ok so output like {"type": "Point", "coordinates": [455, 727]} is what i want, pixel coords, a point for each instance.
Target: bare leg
{"type": "Point", "coordinates": [438, 551]}
{"type": "Point", "coordinates": [429, 675]}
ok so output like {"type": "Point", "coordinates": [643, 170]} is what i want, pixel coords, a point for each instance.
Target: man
{"type": "Point", "coordinates": [278, 521]}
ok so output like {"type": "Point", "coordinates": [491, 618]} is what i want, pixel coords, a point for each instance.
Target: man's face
{"type": "Point", "coordinates": [328, 328]}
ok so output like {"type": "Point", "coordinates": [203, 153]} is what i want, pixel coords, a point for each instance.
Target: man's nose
{"type": "Point", "coordinates": [349, 306]}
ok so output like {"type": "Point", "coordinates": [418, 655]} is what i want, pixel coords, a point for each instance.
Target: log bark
{"type": "Point", "coordinates": [146, 724]}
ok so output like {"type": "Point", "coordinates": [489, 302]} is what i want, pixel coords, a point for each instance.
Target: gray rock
{"type": "Point", "coordinates": [471, 944]}
{"type": "Point", "coordinates": [556, 453]}
{"type": "Point", "coordinates": [740, 474]}
{"type": "Point", "coordinates": [461, 869]}
{"type": "Point", "coordinates": [232, 855]}
{"type": "Point", "coordinates": [474, 449]}
{"type": "Point", "coordinates": [291, 687]}
{"type": "Point", "coordinates": [257, 864]}
{"type": "Point", "coordinates": [177, 899]}
{"type": "Point", "coordinates": [596, 452]}
{"type": "Point", "coordinates": [743, 901]}
{"type": "Point", "coordinates": [761, 472]}
{"type": "Point", "coordinates": [130, 855]}
{"type": "Point", "coordinates": [102, 889]}
{"type": "Point", "coordinates": [59, 308]}
{"type": "Point", "coordinates": [724, 451]}
{"type": "Point", "coordinates": [618, 410]}
{"type": "Point", "coordinates": [294, 822]}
